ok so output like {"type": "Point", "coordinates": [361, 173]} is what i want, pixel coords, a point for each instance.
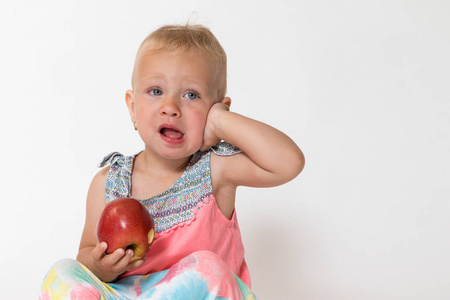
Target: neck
{"type": "Point", "coordinates": [153, 165]}
{"type": "Point", "coordinates": [152, 175]}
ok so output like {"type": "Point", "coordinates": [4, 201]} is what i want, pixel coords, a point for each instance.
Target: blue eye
{"type": "Point", "coordinates": [155, 92]}
{"type": "Point", "coordinates": [191, 95]}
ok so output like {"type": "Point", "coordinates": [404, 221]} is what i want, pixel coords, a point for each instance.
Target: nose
{"type": "Point", "coordinates": [170, 107]}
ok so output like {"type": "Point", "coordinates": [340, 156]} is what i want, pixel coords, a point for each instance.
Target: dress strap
{"type": "Point", "coordinates": [118, 178]}
{"type": "Point", "coordinates": [107, 160]}
{"type": "Point", "coordinates": [224, 149]}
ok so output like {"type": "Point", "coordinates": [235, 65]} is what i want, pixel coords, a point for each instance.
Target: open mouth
{"type": "Point", "coordinates": [171, 133]}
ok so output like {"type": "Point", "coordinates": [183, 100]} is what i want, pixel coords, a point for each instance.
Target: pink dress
{"type": "Point", "coordinates": [187, 218]}
{"type": "Point", "coordinates": [197, 253]}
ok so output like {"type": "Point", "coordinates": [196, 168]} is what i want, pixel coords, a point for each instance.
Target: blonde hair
{"type": "Point", "coordinates": [187, 38]}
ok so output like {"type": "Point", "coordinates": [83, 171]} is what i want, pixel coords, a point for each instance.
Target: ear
{"type": "Point", "coordinates": [129, 99]}
{"type": "Point", "coordinates": [226, 101]}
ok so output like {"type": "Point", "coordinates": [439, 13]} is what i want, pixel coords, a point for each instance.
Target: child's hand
{"type": "Point", "coordinates": [209, 137]}
{"type": "Point", "coordinates": [109, 266]}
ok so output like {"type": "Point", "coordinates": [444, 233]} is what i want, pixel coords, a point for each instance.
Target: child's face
{"type": "Point", "coordinates": [173, 93]}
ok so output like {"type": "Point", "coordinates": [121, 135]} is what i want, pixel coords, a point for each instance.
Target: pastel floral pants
{"type": "Point", "coordinates": [201, 275]}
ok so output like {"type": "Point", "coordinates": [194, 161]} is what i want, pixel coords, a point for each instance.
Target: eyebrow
{"type": "Point", "coordinates": [198, 85]}
{"type": "Point", "coordinates": [202, 86]}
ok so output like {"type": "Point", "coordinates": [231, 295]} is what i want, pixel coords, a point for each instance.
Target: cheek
{"type": "Point", "coordinates": [198, 121]}
{"type": "Point", "coordinates": [200, 124]}
{"type": "Point", "coordinates": [142, 112]}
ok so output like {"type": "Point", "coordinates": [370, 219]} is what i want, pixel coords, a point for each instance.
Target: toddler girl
{"type": "Point", "coordinates": [186, 176]}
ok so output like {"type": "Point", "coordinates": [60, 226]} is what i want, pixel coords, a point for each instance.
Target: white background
{"type": "Point", "coordinates": [361, 86]}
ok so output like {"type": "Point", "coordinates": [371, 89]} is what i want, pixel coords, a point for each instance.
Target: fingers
{"type": "Point", "coordinates": [135, 264]}
{"type": "Point", "coordinates": [116, 262]}
{"type": "Point", "coordinates": [99, 251]}
{"type": "Point", "coordinates": [109, 266]}
{"type": "Point", "coordinates": [120, 260]}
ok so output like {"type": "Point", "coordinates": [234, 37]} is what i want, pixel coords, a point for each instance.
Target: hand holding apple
{"type": "Point", "coordinates": [125, 223]}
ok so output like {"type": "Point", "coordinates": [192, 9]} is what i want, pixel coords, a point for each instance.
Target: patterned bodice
{"type": "Point", "coordinates": [182, 200]}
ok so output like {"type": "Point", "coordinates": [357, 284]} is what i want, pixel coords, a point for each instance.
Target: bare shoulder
{"type": "Point", "coordinates": [99, 181]}
{"type": "Point", "coordinates": [95, 203]}
{"type": "Point", "coordinates": [96, 194]}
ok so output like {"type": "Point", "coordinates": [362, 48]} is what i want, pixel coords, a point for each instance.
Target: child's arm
{"type": "Point", "coordinates": [269, 157]}
{"type": "Point", "coordinates": [91, 254]}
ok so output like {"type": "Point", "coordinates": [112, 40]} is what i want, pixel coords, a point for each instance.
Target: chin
{"type": "Point", "coordinates": [177, 154]}
{"type": "Point", "coordinates": [171, 151]}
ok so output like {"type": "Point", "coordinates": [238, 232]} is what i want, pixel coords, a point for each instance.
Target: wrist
{"type": "Point", "coordinates": [217, 117]}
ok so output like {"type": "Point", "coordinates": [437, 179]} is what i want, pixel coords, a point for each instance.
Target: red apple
{"type": "Point", "coordinates": [126, 223]}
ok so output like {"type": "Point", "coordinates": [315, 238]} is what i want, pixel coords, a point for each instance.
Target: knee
{"type": "Point", "coordinates": [200, 261]}
{"type": "Point", "coordinates": [58, 270]}
{"type": "Point", "coordinates": [216, 273]}
{"type": "Point", "coordinates": [64, 266]}
{"type": "Point", "coordinates": [205, 254]}
{"type": "Point", "coordinates": [66, 263]}
{"type": "Point", "coordinates": [53, 279]}
{"type": "Point", "coordinates": [205, 261]}
{"type": "Point", "coordinates": [68, 277]}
